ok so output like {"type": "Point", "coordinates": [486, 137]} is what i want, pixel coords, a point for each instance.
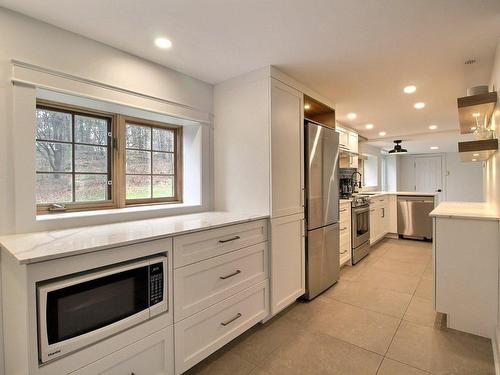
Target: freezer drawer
{"type": "Point", "coordinates": [322, 259]}
{"type": "Point", "coordinates": [413, 216]}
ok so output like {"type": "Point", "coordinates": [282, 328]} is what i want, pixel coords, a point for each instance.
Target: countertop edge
{"type": "Point", "coordinates": [43, 258]}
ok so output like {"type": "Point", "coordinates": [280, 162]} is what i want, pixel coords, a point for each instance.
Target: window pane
{"type": "Point", "coordinates": [53, 157]}
{"type": "Point", "coordinates": [138, 137]}
{"type": "Point", "coordinates": [91, 130]}
{"type": "Point", "coordinates": [138, 162]}
{"type": "Point", "coordinates": [163, 186]}
{"type": "Point", "coordinates": [53, 125]}
{"type": "Point", "coordinates": [138, 187]}
{"type": "Point", "coordinates": [93, 187]}
{"type": "Point", "coordinates": [53, 188]}
{"type": "Point", "coordinates": [91, 159]}
{"type": "Point", "coordinates": [163, 163]}
{"type": "Point", "coordinates": [163, 140]}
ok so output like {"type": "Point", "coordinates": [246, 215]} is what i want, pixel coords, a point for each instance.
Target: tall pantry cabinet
{"type": "Point", "coordinates": [259, 169]}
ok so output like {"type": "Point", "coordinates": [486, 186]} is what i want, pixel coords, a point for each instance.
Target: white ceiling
{"type": "Point", "coordinates": [359, 54]}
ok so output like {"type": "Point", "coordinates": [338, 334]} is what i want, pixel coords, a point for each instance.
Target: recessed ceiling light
{"type": "Point", "coordinates": [382, 134]}
{"type": "Point", "coordinates": [351, 116]}
{"type": "Point", "coordinates": [307, 106]}
{"type": "Point", "coordinates": [434, 148]}
{"type": "Point", "coordinates": [433, 127]}
{"type": "Point", "coordinates": [475, 154]}
{"type": "Point", "coordinates": [369, 126]}
{"type": "Point", "coordinates": [419, 105]}
{"type": "Point", "coordinates": [410, 89]}
{"type": "Point", "coordinates": [163, 43]}
{"type": "Point", "coordinates": [476, 114]}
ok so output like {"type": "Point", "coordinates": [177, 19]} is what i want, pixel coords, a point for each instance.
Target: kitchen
{"type": "Point", "coordinates": [258, 214]}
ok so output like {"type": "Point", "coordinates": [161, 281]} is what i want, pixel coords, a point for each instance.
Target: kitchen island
{"type": "Point", "coordinates": [465, 266]}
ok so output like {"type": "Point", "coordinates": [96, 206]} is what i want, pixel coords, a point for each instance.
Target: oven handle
{"type": "Point", "coordinates": [358, 210]}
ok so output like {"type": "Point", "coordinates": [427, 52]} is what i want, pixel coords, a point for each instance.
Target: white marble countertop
{"type": "Point", "coordinates": [414, 193]}
{"type": "Point", "coordinates": [41, 246]}
{"type": "Point", "coordinates": [465, 210]}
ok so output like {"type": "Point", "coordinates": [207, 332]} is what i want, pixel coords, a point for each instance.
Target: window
{"type": "Point", "coordinates": [369, 170]}
{"type": "Point", "coordinates": [150, 162]}
{"type": "Point", "coordinates": [89, 160]}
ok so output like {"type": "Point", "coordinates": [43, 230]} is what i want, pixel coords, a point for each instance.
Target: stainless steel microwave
{"type": "Point", "coordinates": [82, 309]}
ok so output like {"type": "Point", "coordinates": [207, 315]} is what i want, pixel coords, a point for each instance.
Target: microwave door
{"type": "Point", "coordinates": [81, 310]}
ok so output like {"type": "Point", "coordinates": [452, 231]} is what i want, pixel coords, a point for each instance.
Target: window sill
{"type": "Point", "coordinates": [95, 217]}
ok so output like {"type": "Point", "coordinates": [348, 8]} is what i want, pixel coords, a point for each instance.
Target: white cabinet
{"type": "Point", "coordinates": [202, 334]}
{"type": "Point", "coordinates": [287, 261]}
{"type": "Point", "coordinates": [152, 355]}
{"type": "Point", "coordinates": [345, 233]}
{"type": "Point", "coordinates": [392, 214]}
{"type": "Point", "coordinates": [286, 150]}
{"type": "Point", "coordinates": [379, 222]}
{"type": "Point", "coordinates": [348, 142]}
{"type": "Point", "coordinates": [258, 167]}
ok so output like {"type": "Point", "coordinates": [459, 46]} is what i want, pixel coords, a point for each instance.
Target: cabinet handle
{"type": "Point", "coordinates": [230, 239]}
{"type": "Point", "coordinates": [372, 210]}
{"type": "Point", "coordinates": [343, 210]}
{"type": "Point", "coordinates": [381, 200]}
{"type": "Point", "coordinates": [343, 252]}
{"type": "Point", "coordinates": [383, 212]}
{"type": "Point", "coordinates": [227, 322]}
{"type": "Point", "coordinates": [230, 275]}
{"type": "Point", "coordinates": [343, 229]}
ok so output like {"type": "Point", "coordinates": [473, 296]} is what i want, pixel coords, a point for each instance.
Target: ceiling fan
{"type": "Point", "coordinates": [397, 148]}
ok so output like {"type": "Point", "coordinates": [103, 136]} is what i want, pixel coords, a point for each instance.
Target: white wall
{"type": "Point", "coordinates": [33, 42]}
{"type": "Point", "coordinates": [461, 181]}
{"type": "Point", "coordinates": [464, 181]}
{"type": "Point", "coordinates": [492, 172]}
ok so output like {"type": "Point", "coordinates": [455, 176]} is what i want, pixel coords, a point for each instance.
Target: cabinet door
{"type": "Point", "coordinates": [353, 142]}
{"type": "Point", "coordinates": [343, 137]}
{"type": "Point", "coordinates": [287, 261]}
{"type": "Point", "coordinates": [287, 128]}
{"type": "Point", "coordinates": [153, 355]}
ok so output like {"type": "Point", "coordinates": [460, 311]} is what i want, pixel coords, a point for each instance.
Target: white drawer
{"type": "Point", "coordinates": [202, 334]}
{"type": "Point", "coordinates": [205, 283]}
{"type": "Point", "coordinates": [153, 355]}
{"type": "Point", "coordinates": [191, 248]}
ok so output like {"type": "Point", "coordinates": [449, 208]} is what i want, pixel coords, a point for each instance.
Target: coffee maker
{"type": "Point", "coordinates": [345, 187]}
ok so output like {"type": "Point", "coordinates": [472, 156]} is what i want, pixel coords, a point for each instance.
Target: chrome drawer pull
{"type": "Point", "coordinates": [231, 320]}
{"type": "Point", "coordinates": [230, 275]}
{"type": "Point", "coordinates": [343, 229]}
{"type": "Point", "coordinates": [343, 252]}
{"type": "Point", "coordinates": [344, 210]}
{"type": "Point", "coordinates": [230, 239]}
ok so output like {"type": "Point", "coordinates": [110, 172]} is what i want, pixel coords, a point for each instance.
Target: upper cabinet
{"type": "Point", "coordinates": [286, 150]}
{"type": "Point", "coordinates": [348, 142]}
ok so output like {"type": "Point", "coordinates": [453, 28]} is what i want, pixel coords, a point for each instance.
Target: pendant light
{"type": "Point", "coordinates": [397, 148]}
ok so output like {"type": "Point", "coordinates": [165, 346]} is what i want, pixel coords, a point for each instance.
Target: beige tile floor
{"type": "Point", "coordinates": [378, 319]}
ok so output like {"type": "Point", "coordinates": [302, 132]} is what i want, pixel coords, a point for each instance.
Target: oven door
{"type": "Point", "coordinates": [360, 225]}
{"type": "Point", "coordinates": [78, 311]}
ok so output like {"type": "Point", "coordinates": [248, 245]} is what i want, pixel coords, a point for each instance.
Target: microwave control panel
{"type": "Point", "coordinates": [155, 283]}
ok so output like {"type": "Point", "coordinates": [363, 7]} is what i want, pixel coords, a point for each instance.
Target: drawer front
{"type": "Point", "coordinates": [205, 283]}
{"type": "Point", "coordinates": [153, 355]}
{"type": "Point", "coordinates": [202, 334]}
{"type": "Point", "coordinates": [345, 241]}
{"type": "Point", "coordinates": [191, 248]}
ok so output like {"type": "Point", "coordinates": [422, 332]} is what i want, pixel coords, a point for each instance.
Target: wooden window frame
{"type": "Point", "coordinates": [117, 161]}
{"type": "Point", "coordinates": [84, 206]}
{"type": "Point", "coordinates": [178, 173]}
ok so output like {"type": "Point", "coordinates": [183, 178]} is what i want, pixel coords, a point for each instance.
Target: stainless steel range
{"type": "Point", "coordinates": [360, 213]}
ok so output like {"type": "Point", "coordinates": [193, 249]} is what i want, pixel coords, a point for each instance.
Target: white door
{"type": "Point", "coordinates": [287, 128]}
{"type": "Point", "coordinates": [429, 175]}
{"type": "Point", "coordinates": [287, 261]}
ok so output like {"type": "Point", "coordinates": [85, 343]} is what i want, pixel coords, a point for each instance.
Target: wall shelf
{"type": "Point", "coordinates": [475, 110]}
{"type": "Point", "coordinates": [477, 150]}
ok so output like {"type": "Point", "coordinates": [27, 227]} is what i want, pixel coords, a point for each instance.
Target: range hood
{"type": "Point", "coordinates": [475, 110]}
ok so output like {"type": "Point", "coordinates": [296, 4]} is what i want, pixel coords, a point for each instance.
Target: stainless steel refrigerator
{"type": "Point", "coordinates": [322, 208]}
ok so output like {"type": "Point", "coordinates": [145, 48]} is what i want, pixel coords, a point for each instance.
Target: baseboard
{"type": "Point", "coordinates": [496, 350]}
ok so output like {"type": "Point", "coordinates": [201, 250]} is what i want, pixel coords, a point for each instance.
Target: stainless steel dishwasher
{"type": "Point", "coordinates": [413, 216]}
